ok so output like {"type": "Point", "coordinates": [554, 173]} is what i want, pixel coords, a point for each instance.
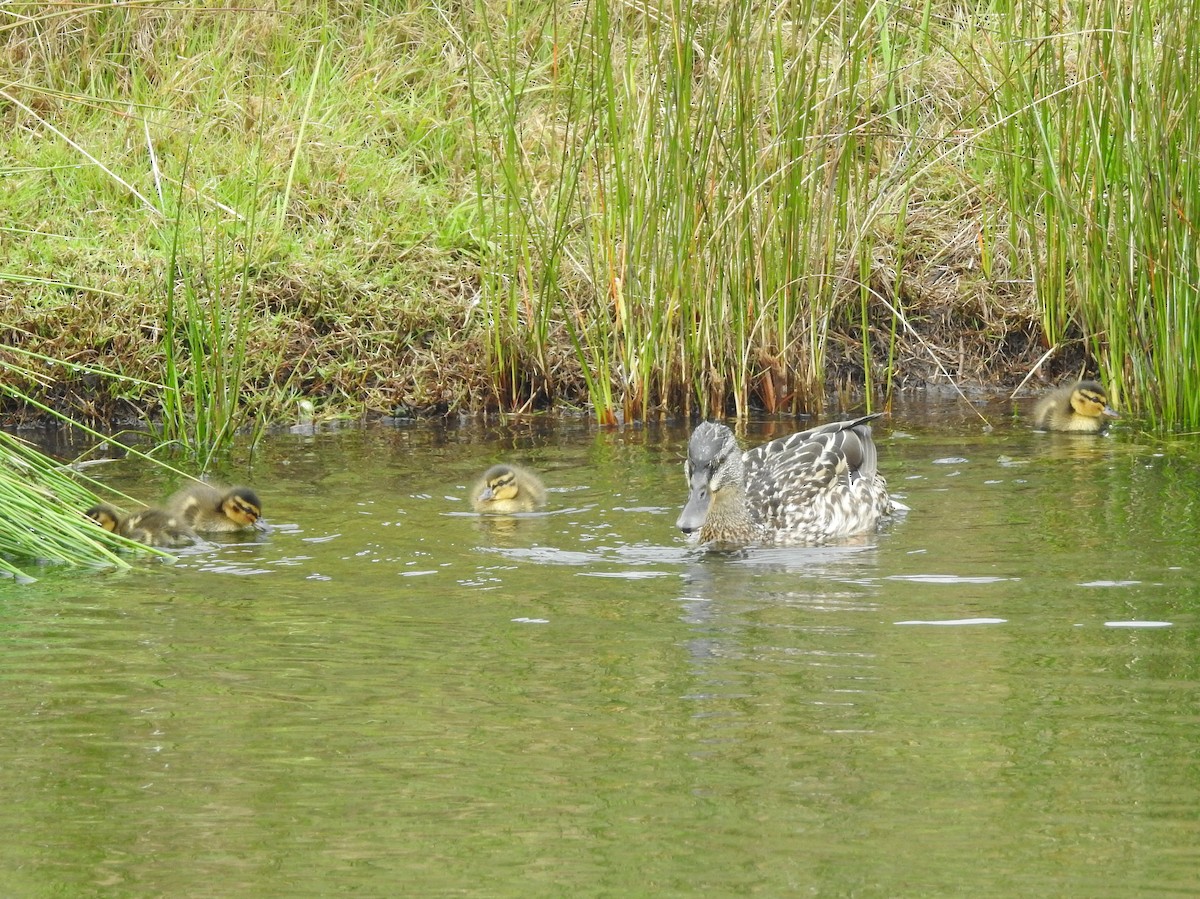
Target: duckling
{"type": "Point", "coordinates": [153, 527]}
{"type": "Point", "coordinates": [210, 510]}
{"type": "Point", "coordinates": [508, 488]}
{"type": "Point", "coordinates": [1081, 407]}
{"type": "Point", "coordinates": [808, 488]}
{"type": "Point", "coordinates": [106, 516]}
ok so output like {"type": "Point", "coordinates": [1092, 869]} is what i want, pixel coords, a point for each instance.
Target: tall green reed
{"type": "Point", "coordinates": [522, 219]}
{"type": "Point", "coordinates": [1102, 118]}
{"type": "Point", "coordinates": [713, 200]}
{"type": "Point", "coordinates": [41, 512]}
{"type": "Point", "coordinates": [207, 313]}
{"type": "Point", "coordinates": [41, 499]}
{"type": "Point", "coordinates": [212, 266]}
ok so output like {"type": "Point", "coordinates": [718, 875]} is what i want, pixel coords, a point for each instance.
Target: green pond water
{"type": "Point", "coordinates": [998, 695]}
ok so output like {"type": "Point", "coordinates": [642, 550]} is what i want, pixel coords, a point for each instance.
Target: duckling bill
{"type": "Point", "coordinates": [210, 510]}
{"type": "Point", "coordinates": [506, 488]}
{"type": "Point", "coordinates": [1080, 408]}
{"type": "Point", "coordinates": [153, 527]}
{"type": "Point", "coordinates": [811, 487]}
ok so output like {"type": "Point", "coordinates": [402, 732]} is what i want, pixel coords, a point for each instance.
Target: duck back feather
{"type": "Point", "coordinates": [808, 487]}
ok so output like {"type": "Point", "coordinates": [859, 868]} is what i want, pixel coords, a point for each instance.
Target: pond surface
{"type": "Point", "coordinates": [999, 695]}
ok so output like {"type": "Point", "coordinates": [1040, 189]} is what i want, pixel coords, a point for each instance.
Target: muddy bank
{"type": "Point", "coordinates": [366, 354]}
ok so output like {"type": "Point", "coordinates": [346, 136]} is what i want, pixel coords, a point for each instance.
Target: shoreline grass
{"type": "Point", "coordinates": [1100, 157]}
{"type": "Point", "coordinates": [365, 276]}
{"type": "Point", "coordinates": [684, 208]}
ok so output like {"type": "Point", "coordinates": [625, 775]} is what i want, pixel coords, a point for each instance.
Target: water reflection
{"type": "Point", "coordinates": [995, 693]}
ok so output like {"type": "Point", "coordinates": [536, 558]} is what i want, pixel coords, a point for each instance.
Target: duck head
{"type": "Point", "coordinates": [1089, 399]}
{"type": "Point", "coordinates": [499, 483]}
{"type": "Point", "coordinates": [241, 505]}
{"type": "Point", "coordinates": [713, 468]}
{"type": "Point", "coordinates": [105, 516]}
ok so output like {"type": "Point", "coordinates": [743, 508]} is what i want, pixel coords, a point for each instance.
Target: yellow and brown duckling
{"type": "Point", "coordinates": [811, 487]}
{"type": "Point", "coordinates": [506, 489]}
{"type": "Point", "coordinates": [153, 527]}
{"type": "Point", "coordinates": [1081, 408]}
{"type": "Point", "coordinates": [211, 510]}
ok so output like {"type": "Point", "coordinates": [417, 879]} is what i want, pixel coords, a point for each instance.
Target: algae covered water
{"type": "Point", "coordinates": [389, 695]}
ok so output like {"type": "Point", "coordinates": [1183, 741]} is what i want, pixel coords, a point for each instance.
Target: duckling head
{"type": "Point", "coordinates": [241, 505]}
{"type": "Point", "coordinates": [499, 484]}
{"type": "Point", "coordinates": [104, 515]}
{"type": "Point", "coordinates": [714, 471]}
{"type": "Point", "coordinates": [1089, 400]}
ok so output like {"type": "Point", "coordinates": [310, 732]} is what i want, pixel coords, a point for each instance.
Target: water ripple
{"type": "Point", "coordinates": [1139, 624]}
{"type": "Point", "coordinates": [948, 579]}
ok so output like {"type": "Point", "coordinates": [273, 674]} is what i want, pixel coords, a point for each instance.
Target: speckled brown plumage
{"type": "Point", "coordinates": [212, 510]}
{"type": "Point", "coordinates": [153, 527]}
{"type": "Point", "coordinates": [811, 487]}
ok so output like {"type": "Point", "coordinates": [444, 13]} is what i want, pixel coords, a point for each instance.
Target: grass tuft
{"type": "Point", "coordinates": [1100, 118]}
{"type": "Point", "coordinates": [42, 512]}
{"type": "Point", "coordinates": [730, 188]}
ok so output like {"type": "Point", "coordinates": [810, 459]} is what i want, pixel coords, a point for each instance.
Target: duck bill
{"type": "Point", "coordinates": [696, 510]}
{"type": "Point", "coordinates": [1110, 412]}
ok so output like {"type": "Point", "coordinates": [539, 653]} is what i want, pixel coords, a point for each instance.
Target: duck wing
{"type": "Point", "coordinates": [788, 474]}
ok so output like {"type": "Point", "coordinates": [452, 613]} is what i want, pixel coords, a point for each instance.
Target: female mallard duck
{"type": "Point", "coordinates": [1081, 407]}
{"type": "Point", "coordinates": [153, 527]}
{"type": "Point", "coordinates": [508, 488]}
{"type": "Point", "coordinates": [811, 487]}
{"type": "Point", "coordinates": [210, 510]}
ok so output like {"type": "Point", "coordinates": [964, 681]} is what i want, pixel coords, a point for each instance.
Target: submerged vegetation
{"type": "Point", "coordinates": [648, 208]}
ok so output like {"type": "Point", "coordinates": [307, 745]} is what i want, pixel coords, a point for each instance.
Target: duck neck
{"type": "Point", "coordinates": [729, 519]}
{"type": "Point", "coordinates": [1073, 421]}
